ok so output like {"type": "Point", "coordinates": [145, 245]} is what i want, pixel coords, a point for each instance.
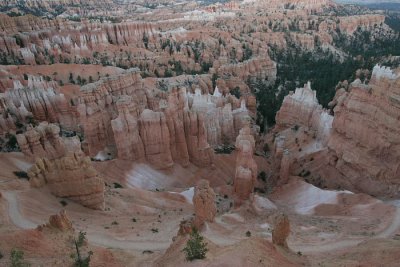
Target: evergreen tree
{"type": "Point", "coordinates": [195, 248]}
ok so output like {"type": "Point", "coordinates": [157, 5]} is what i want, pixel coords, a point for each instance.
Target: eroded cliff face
{"type": "Point", "coordinates": [366, 22]}
{"type": "Point", "coordinates": [246, 167]}
{"type": "Point", "coordinates": [71, 176]}
{"type": "Point", "coordinates": [357, 148]}
{"type": "Point", "coordinates": [365, 136]}
{"type": "Point", "coordinates": [120, 114]}
{"type": "Point", "coordinates": [35, 100]}
{"type": "Point", "coordinates": [295, 4]}
{"type": "Point", "coordinates": [45, 141]}
{"type": "Point", "coordinates": [204, 199]}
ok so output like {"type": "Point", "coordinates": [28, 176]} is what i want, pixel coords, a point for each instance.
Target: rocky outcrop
{"type": "Point", "coordinates": [342, 150]}
{"type": "Point", "coordinates": [177, 104]}
{"type": "Point", "coordinates": [71, 176]}
{"type": "Point", "coordinates": [369, 158]}
{"type": "Point", "coordinates": [36, 99]}
{"type": "Point", "coordinates": [98, 106]}
{"type": "Point", "coordinates": [296, 4]}
{"type": "Point", "coordinates": [199, 150]}
{"type": "Point", "coordinates": [350, 24]}
{"type": "Point", "coordinates": [246, 167]}
{"type": "Point", "coordinates": [205, 208]}
{"type": "Point", "coordinates": [284, 172]}
{"type": "Point", "coordinates": [262, 68]}
{"type": "Point", "coordinates": [301, 108]}
{"type": "Point", "coordinates": [126, 132]}
{"type": "Point", "coordinates": [44, 141]}
{"type": "Point", "coordinates": [59, 221]}
{"type": "Point", "coordinates": [281, 231]}
{"type": "Point", "coordinates": [156, 139]}
{"type": "Point", "coordinates": [223, 116]}
{"type": "Point", "coordinates": [162, 129]}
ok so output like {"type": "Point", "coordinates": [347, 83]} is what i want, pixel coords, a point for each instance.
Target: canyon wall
{"type": "Point", "coordinates": [119, 113]}
{"type": "Point", "coordinates": [45, 141]}
{"type": "Point", "coordinates": [36, 100]}
{"type": "Point", "coordinates": [350, 24]}
{"type": "Point", "coordinates": [294, 4]}
{"type": "Point", "coordinates": [365, 133]}
{"type": "Point", "coordinates": [358, 147]}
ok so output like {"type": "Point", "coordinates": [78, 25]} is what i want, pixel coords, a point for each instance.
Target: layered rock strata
{"type": "Point", "coordinates": [358, 147]}
{"type": "Point", "coordinates": [281, 230]}
{"type": "Point", "coordinates": [58, 221]}
{"type": "Point", "coordinates": [37, 100]}
{"type": "Point", "coordinates": [44, 141]}
{"type": "Point", "coordinates": [71, 176]}
{"type": "Point", "coordinates": [205, 208]}
{"type": "Point", "coordinates": [246, 167]}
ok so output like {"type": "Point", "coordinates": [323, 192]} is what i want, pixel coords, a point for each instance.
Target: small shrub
{"type": "Point", "coordinates": [12, 144]}
{"type": "Point", "coordinates": [21, 175]}
{"type": "Point", "coordinates": [1, 255]}
{"type": "Point", "coordinates": [248, 233]}
{"type": "Point", "coordinates": [154, 230]}
{"type": "Point", "coordinates": [17, 258]}
{"type": "Point", "coordinates": [262, 176]}
{"type": "Point", "coordinates": [134, 220]}
{"type": "Point", "coordinates": [195, 248]}
{"type": "Point", "coordinates": [266, 148]}
{"type": "Point", "coordinates": [259, 190]}
{"type": "Point", "coordinates": [117, 185]}
{"type": "Point", "coordinates": [224, 149]}
{"type": "Point", "coordinates": [295, 128]}
{"type": "Point", "coordinates": [81, 261]}
{"type": "Point", "coordinates": [147, 252]}
{"type": "Point", "coordinates": [114, 223]}
{"type": "Point", "coordinates": [31, 120]}
{"type": "Point", "coordinates": [236, 92]}
{"type": "Point", "coordinates": [63, 202]}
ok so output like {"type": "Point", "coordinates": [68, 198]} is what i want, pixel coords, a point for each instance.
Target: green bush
{"type": "Point", "coordinates": [12, 144]}
{"type": "Point", "coordinates": [117, 185]}
{"type": "Point", "coordinates": [17, 258]}
{"type": "Point", "coordinates": [195, 248]}
{"type": "Point", "coordinates": [236, 92]}
{"type": "Point", "coordinates": [81, 261]}
{"type": "Point", "coordinates": [262, 176]}
{"type": "Point", "coordinates": [21, 175]}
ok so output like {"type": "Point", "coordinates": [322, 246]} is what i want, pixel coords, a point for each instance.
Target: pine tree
{"type": "Point", "coordinates": [195, 248]}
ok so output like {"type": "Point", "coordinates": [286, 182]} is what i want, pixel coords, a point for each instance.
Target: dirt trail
{"type": "Point", "coordinates": [110, 242]}
{"type": "Point", "coordinates": [20, 221]}
{"type": "Point", "coordinates": [319, 248]}
{"type": "Point", "coordinates": [106, 241]}
{"type": "Point", "coordinates": [14, 213]}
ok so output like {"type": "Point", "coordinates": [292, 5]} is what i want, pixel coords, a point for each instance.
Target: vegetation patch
{"type": "Point", "coordinates": [196, 248]}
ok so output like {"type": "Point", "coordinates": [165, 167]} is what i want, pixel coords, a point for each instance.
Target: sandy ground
{"type": "Point", "coordinates": [145, 214]}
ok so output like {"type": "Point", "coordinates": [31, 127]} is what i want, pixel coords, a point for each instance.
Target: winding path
{"type": "Point", "coordinates": [106, 241]}
{"type": "Point", "coordinates": [95, 238]}
{"type": "Point", "coordinates": [319, 248]}
{"type": "Point", "coordinates": [14, 213]}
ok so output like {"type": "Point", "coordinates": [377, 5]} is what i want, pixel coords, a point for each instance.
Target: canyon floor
{"type": "Point", "coordinates": [328, 228]}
